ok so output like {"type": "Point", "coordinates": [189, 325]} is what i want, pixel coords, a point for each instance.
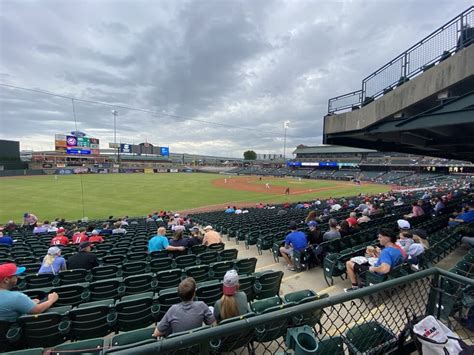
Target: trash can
{"type": "Point", "coordinates": [301, 340]}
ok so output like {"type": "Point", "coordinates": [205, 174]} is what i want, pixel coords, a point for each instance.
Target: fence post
{"type": "Point", "coordinates": [461, 32]}
{"type": "Point", "coordinates": [404, 66]}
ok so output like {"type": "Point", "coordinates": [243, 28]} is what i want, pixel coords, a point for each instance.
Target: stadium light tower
{"type": "Point", "coordinates": [115, 113]}
{"type": "Point", "coordinates": [285, 126]}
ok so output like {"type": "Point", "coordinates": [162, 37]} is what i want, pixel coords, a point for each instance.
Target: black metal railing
{"type": "Point", "coordinates": [434, 48]}
{"type": "Point", "coordinates": [369, 320]}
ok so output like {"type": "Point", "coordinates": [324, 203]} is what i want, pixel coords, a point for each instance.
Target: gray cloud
{"type": "Point", "coordinates": [242, 63]}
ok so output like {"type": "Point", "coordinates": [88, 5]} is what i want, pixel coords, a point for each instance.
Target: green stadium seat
{"type": "Point", "coordinates": [209, 292]}
{"type": "Point", "coordinates": [39, 330]}
{"type": "Point", "coordinates": [137, 256]}
{"type": "Point", "coordinates": [83, 347]}
{"type": "Point", "coordinates": [106, 289]}
{"type": "Point", "coordinates": [310, 318]}
{"type": "Point", "coordinates": [158, 254]}
{"type": "Point", "coordinates": [168, 278]}
{"type": "Point", "coordinates": [267, 284]}
{"type": "Point", "coordinates": [216, 246]}
{"type": "Point", "coordinates": [92, 319]}
{"type": "Point", "coordinates": [33, 351]}
{"type": "Point", "coordinates": [200, 273]}
{"type": "Point", "coordinates": [161, 264]}
{"type": "Point", "coordinates": [245, 266]}
{"type": "Point", "coordinates": [139, 283]}
{"type": "Point", "coordinates": [132, 337]}
{"type": "Point", "coordinates": [71, 295]}
{"type": "Point", "coordinates": [137, 311]}
{"type": "Point", "coordinates": [246, 285]}
{"type": "Point", "coordinates": [70, 277]}
{"type": "Point", "coordinates": [197, 249]}
{"type": "Point", "coordinates": [228, 254]}
{"type": "Point", "coordinates": [105, 272]}
{"type": "Point", "coordinates": [114, 259]}
{"type": "Point", "coordinates": [236, 340]}
{"type": "Point", "coordinates": [218, 270]}
{"type": "Point", "coordinates": [37, 281]}
{"type": "Point", "coordinates": [208, 257]}
{"type": "Point", "coordinates": [369, 338]}
{"type": "Point", "coordinates": [184, 261]}
{"type": "Point", "coordinates": [259, 306]}
{"type": "Point", "coordinates": [135, 268]}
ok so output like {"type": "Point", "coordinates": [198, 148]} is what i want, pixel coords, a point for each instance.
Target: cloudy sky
{"type": "Point", "coordinates": [252, 64]}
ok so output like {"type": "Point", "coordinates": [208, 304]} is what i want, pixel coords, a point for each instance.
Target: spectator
{"type": "Point", "coordinates": [314, 235]}
{"type": "Point", "coordinates": [149, 218]}
{"type": "Point", "coordinates": [30, 220]}
{"type": "Point", "coordinates": [53, 262]}
{"type": "Point", "coordinates": [179, 226]}
{"type": "Point", "coordinates": [295, 240]}
{"type": "Point", "coordinates": [196, 238]}
{"type": "Point", "coordinates": [416, 210]}
{"type": "Point", "coordinates": [95, 237]}
{"type": "Point", "coordinates": [390, 256]}
{"type": "Point", "coordinates": [84, 259]}
{"type": "Point", "coordinates": [80, 236]}
{"type": "Point", "coordinates": [229, 210]}
{"type": "Point", "coordinates": [403, 225]}
{"type": "Point", "coordinates": [333, 232]}
{"type": "Point", "coordinates": [233, 302]}
{"type": "Point", "coordinates": [106, 229]}
{"type": "Point", "coordinates": [43, 228]}
{"type": "Point", "coordinates": [211, 236]}
{"type": "Point", "coordinates": [160, 242]}
{"type": "Point", "coordinates": [178, 240]}
{"type": "Point", "coordinates": [14, 304]}
{"type": "Point", "coordinates": [5, 239]}
{"type": "Point", "coordinates": [466, 217]}
{"type": "Point", "coordinates": [365, 217]}
{"type": "Point", "coordinates": [352, 220]}
{"type": "Point", "coordinates": [344, 229]}
{"type": "Point", "coordinates": [10, 226]}
{"type": "Point", "coordinates": [416, 249]}
{"type": "Point", "coordinates": [439, 206]}
{"type": "Point", "coordinates": [187, 315]}
{"type": "Point", "coordinates": [53, 227]}
{"type": "Point", "coordinates": [60, 238]}
{"type": "Point", "coordinates": [119, 229]}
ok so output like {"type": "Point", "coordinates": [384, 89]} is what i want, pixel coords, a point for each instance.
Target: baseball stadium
{"type": "Point", "coordinates": [360, 244]}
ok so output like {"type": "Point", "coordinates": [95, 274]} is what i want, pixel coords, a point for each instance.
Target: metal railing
{"type": "Point", "coordinates": [434, 48]}
{"type": "Point", "coordinates": [388, 306]}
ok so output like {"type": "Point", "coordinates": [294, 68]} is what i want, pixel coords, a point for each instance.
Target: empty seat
{"type": "Point", "coordinates": [90, 346]}
{"type": "Point", "coordinates": [234, 340]}
{"type": "Point", "coordinates": [132, 337]}
{"type": "Point", "coordinates": [208, 257]}
{"type": "Point", "coordinates": [71, 295]}
{"type": "Point", "coordinates": [105, 272]}
{"type": "Point", "coordinates": [135, 268]}
{"type": "Point", "coordinates": [369, 338]}
{"type": "Point", "coordinates": [161, 264]}
{"type": "Point", "coordinates": [218, 270]}
{"type": "Point", "coordinates": [37, 281]}
{"type": "Point", "coordinates": [139, 283]}
{"type": "Point", "coordinates": [69, 277]}
{"type": "Point", "coordinates": [137, 311]}
{"type": "Point", "coordinates": [106, 289]}
{"type": "Point", "coordinates": [169, 278]}
{"type": "Point", "coordinates": [200, 273]}
{"type": "Point", "coordinates": [228, 254]}
{"type": "Point", "coordinates": [267, 284]}
{"type": "Point", "coordinates": [92, 319]}
{"type": "Point", "coordinates": [113, 259]}
{"type": "Point", "coordinates": [209, 292]}
{"type": "Point", "coordinates": [184, 261]}
{"type": "Point", "coordinates": [245, 266]}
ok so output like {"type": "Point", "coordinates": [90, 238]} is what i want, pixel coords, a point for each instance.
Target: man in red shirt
{"type": "Point", "coordinates": [95, 237]}
{"type": "Point", "coordinates": [80, 237]}
{"type": "Point", "coordinates": [60, 238]}
{"type": "Point", "coordinates": [352, 220]}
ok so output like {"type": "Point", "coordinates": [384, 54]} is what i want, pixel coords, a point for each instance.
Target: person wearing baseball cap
{"type": "Point", "coordinates": [314, 235]}
{"type": "Point", "coordinates": [84, 259]}
{"type": "Point", "coordinates": [14, 304]}
{"type": "Point", "coordinates": [211, 236]}
{"type": "Point", "coordinates": [53, 262]}
{"type": "Point", "coordinates": [233, 302]}
{"type": "Point", "coordinates": [60, 238]}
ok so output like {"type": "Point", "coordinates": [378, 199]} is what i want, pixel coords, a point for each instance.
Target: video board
{"type": "Point", "coordinates": [76, 143]}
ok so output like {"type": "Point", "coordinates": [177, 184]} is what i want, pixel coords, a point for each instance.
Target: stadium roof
{"type": "Point", "coordinates": [330, 149]}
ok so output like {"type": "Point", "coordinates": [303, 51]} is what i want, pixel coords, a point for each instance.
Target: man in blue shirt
{"type": "Point", "coordinates": [390, 256]}
{"type": "Point", "coordinates": [14, 304]}
{"type": "Point", "coordinates": [5, 239]}
{"type": "Point", "coordinates": [295, 240]}
{"type": "Point", "coordinates": [160, 242]}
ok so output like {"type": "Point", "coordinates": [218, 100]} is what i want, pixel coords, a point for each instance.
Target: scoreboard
{"type": "Point", "coordinates": [76, 143]}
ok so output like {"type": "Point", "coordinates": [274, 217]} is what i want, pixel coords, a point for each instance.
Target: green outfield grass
{"type": "Point", "coordinates": [99, 196]}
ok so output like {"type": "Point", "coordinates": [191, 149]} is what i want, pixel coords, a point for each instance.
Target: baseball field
{"type": "Point", "coordinates": [102, 195]}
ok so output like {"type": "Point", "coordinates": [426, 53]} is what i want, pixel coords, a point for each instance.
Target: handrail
{"type": "Point", "coordinates": [236, 327]}
{"type": "Point", "coordinates": [432, 49]}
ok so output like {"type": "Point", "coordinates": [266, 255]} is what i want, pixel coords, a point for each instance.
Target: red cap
{"type": "Point", "coordinates": [60, 230]}
{"type": "Point", "coordinates": [10, 269]}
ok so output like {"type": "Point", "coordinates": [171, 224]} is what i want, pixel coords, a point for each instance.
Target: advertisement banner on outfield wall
{"type": "Point", "coordinates": [161, 170]}
{"type": "Point", "coordinates": [173, 170]}
{"type": "Point", "coordinates": [149, 171]}
{"type": "Point", "coordinates": [64, 171]}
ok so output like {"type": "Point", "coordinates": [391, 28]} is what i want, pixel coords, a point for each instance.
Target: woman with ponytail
{"type": "Point", "coordinates": [233, 302]}
{"type": "Point", "coordinates": [53, 262]}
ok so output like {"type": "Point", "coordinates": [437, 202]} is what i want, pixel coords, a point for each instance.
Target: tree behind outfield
{"type": "Point", "coordinates": [250, 155]}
